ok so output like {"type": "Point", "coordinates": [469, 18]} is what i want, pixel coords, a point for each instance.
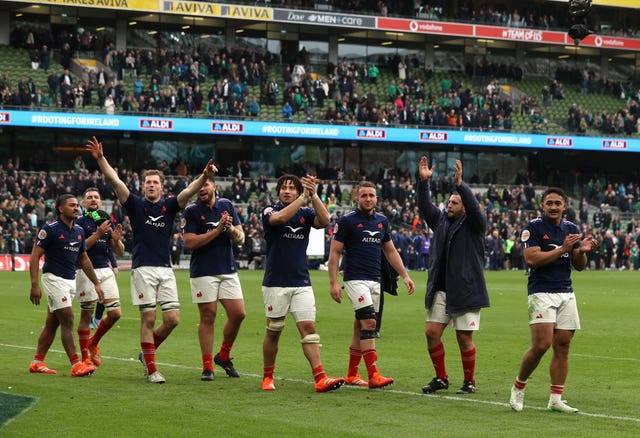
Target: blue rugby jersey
{"type": "Point", "coordinates": [362, 236]}
{"type": "Point", "coordinates": [287, 248]}
{"type": "Point", "coordinates": [99, 252]}
{"type": "Point", "coordinates": [62, 246]}
{"type": "Point", "coordinates": [556, 276]}
{"type": "Point", "coordinates": [216, 257]}
{"type": "Point", "coordinates": [152, 225]}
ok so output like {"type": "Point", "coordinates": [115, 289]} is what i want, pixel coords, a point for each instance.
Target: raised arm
{"type": "Point", "coordinates": [322, 214]}
{"type": "Point", "coordinates": [471, 205]}
{"type": "Point", "coordinates": [428, 211]}
{"type": "Point", "coordinates": [193, 188]}
{"type": "Point", "coordinates": [283, 216]}
{"type": "Point", "coordinates": [120, 188]}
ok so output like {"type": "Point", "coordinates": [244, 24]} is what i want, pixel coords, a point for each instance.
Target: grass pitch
{"type": "Point", "coordinates": [603, 378]}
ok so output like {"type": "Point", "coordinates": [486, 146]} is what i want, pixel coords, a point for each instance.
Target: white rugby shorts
{"type": "Point", "coordinates": [152, 285]}
{"type": "Point", "coordinates": [554, 307]}
{"type": "Point", "coordinates": [300, 301]}
{"type": "Point", "coordinates": [59, 291]}
{"type": "Point", "coordinates": [363, 293]}
{"type": "Point", "coordinates": [212, 288]}
{"type": "Point", "coordinates": [464, 321]}
{"type": "Point", "coordinates": [86, 291]}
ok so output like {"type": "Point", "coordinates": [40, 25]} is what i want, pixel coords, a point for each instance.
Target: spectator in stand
{"type": "Point", "coordinates": [287, 111]}
{"type": "Point", "coordinates": [109, 105]}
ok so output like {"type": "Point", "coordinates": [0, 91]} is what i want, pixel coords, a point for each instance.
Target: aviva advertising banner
{"type": "Point", "coordinates": [424, 136]}
{"type": "Point", "coordinates": [205, 9]}
{"type": "Point", "coordinates": [215, 10]}
{"type": "Point", "coordinates": [131, 5]}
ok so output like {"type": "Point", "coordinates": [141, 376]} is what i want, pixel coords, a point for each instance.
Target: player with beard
{"type": "Point", "coordinates": [456, 289]}
{"type": "Point", "coordinates": [364, 235]}
{"type": "Point", "coordinates": [212, 228]}
{"type": "Point", "coordinates": [102, 237]}
{"type": "Point", "coordinates": [152, 279]}
{"type": "Point", "coordinates": [286, 287]}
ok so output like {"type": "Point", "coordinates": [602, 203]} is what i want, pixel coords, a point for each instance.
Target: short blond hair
{"type": "Point", "coordinates": [153, 172]}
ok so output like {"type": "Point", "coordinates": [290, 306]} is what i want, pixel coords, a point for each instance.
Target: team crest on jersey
{"type": "Point", "coordinates": [164, 209]}
{"type": "Point", "coordinates": [42, 235]}
{"type": "Point", "coordinates": [525, 235]}
{"type": "Point", "coordinates": [302, 220]}
{"type": "Point", "coordinates": [380, 225]}
{"type": "Point", "coordinates": [79, 237]}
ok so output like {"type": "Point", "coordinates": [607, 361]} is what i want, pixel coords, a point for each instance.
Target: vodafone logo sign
{"type": "Point", "coordinates": [614, 43]}
{"type": "Point", "coordinates": [413, 26]}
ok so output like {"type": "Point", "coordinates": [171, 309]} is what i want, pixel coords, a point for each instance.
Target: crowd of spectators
{"type": "Point", "coordinates": [172, 81]}
{"type": "Point", "coordinates": [26, 203]}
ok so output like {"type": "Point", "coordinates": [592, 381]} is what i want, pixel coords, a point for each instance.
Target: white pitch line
{"type": "Point", "coordinates": [591, 356]}
{"type": "Point", "coordinates": [393, 391]}
{"type": "Point", "coordinates": [25, 410]}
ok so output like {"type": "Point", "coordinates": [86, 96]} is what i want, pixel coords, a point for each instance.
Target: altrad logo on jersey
{"type": "Point", "coordinates": [293, 233]}
{"type": "Point", "coordinates": [73, 247]}
{"type": "Point", "coordinates": [212, 225]}
{"type": "Point", "coordinates": [154, 221]}
{"type": "Point", "coordinates": [564, 255]}
{"type": "Point", "coordinates": [371, 237]}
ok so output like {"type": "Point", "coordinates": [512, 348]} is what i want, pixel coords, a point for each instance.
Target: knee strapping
{"type": "Point", "coordinates": [110, 307]}
{"type": "Point", "coordinates": [88, 306]}
{"type": "Point", "coordinates": [275, 325]}
{"type": "Point", "coordinates": [367, 312]}
{"type": "Point", "coordinates": [147, 308]}
{"type": "Point", "coordinates": [367, 334]}
{"type": "Point", "coordinates": [313, 338]}
{"type": "Point", "coordinates": [169, 305]}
